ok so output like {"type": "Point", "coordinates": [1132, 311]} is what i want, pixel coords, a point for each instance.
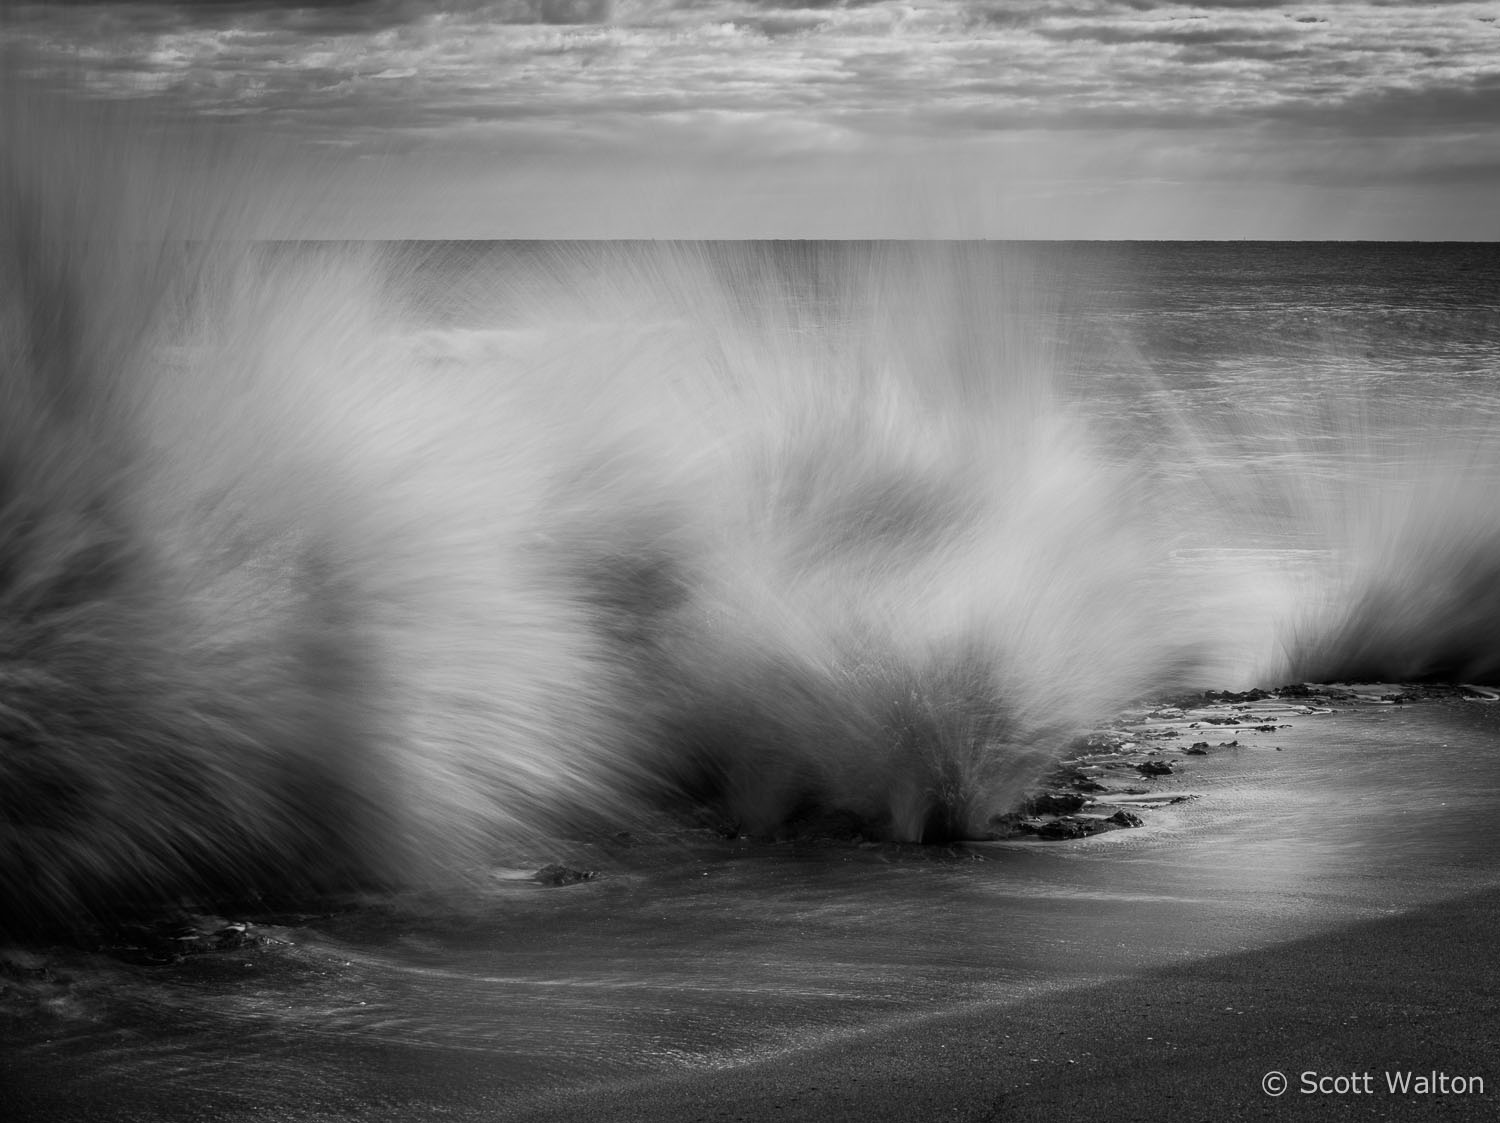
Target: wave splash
{"type": "Point", "coordinates": [313, 576]}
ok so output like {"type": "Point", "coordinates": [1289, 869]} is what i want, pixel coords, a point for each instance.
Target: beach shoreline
{"type": "Point", "coordinates": [1190, 1042]}
{"type": "Point", "coordinates": [1121, 972]}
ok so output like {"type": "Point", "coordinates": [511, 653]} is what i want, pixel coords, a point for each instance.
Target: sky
{"type": "Point", "coordinates": [826, 118]}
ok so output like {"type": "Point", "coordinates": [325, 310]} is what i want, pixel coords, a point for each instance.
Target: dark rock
{"type": "Point", "coordinates": [1054, 803]}
{"type": "Point", "coordinates": [562, 875]}
{"type": "Point", "coordinates": [1062, 828]}
{"type": "Point", "coordinates": [1005, 825]}
{"type": "Point", "coordinates": [172, 940]}
{"type": "Point", "coordinates": [1065, 828]}
{"type": "Point", "coordinates": [1064, 775]}
{"type": "Point", "coordinates": [1123, 818]}
{"type": "Point", "coordinates": [1154, 768]}
{"type": "Point", "coordinates": [18, 963]}
{"type": "Point", "coordinates": [233, 936]}
{"type": "Point", "coordinates": [1235, 696]}
{"type": "Point", "coordinates": [1070, 776]}
{"type": "Point", "coordinates": [1256, 695]}
{"type": "Point", "coordinates": [1293, 690]}
{"type": "Point", "coordinates": [1197, 748]}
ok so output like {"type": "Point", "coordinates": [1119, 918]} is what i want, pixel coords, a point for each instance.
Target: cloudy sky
{"type": "Point", "coordinates": [837, 118]}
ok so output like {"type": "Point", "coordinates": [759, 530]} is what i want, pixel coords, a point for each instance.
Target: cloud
{"type": "Point", "coordinates": [882, 66]}
{"type": "Point", "coordinates": [692, 80]}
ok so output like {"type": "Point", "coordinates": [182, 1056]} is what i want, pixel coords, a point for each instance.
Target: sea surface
{"type": "Point", "coordinates": [1268, 351]}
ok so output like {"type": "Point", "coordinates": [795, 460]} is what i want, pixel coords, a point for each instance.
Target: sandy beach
{"type": "Point", "coordinates": [1188, 1043]}
{"type": "Point", "coordinates": [1321, 905]}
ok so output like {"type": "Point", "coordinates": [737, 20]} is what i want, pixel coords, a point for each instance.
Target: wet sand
{"type": "Point", "coordinates": [1417, 994]}
{"type": "Point", "coordinates": [1325, 902]}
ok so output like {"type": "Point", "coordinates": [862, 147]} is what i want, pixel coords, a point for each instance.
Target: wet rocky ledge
{"type": "Point", "coordinates": [1112, 778]}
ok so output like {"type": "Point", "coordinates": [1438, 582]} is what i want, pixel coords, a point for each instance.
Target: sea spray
{"type": "Point", "coordinates": [901, 572]}
{"type": "Point", "coordinates": [1410, 590]}
{"type": "Point", "coordinates": [1354, 488]}
{"type": "Point", "coordinates": [273, 613]}
{"type": "Point", "coordinates": [304, 586]}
